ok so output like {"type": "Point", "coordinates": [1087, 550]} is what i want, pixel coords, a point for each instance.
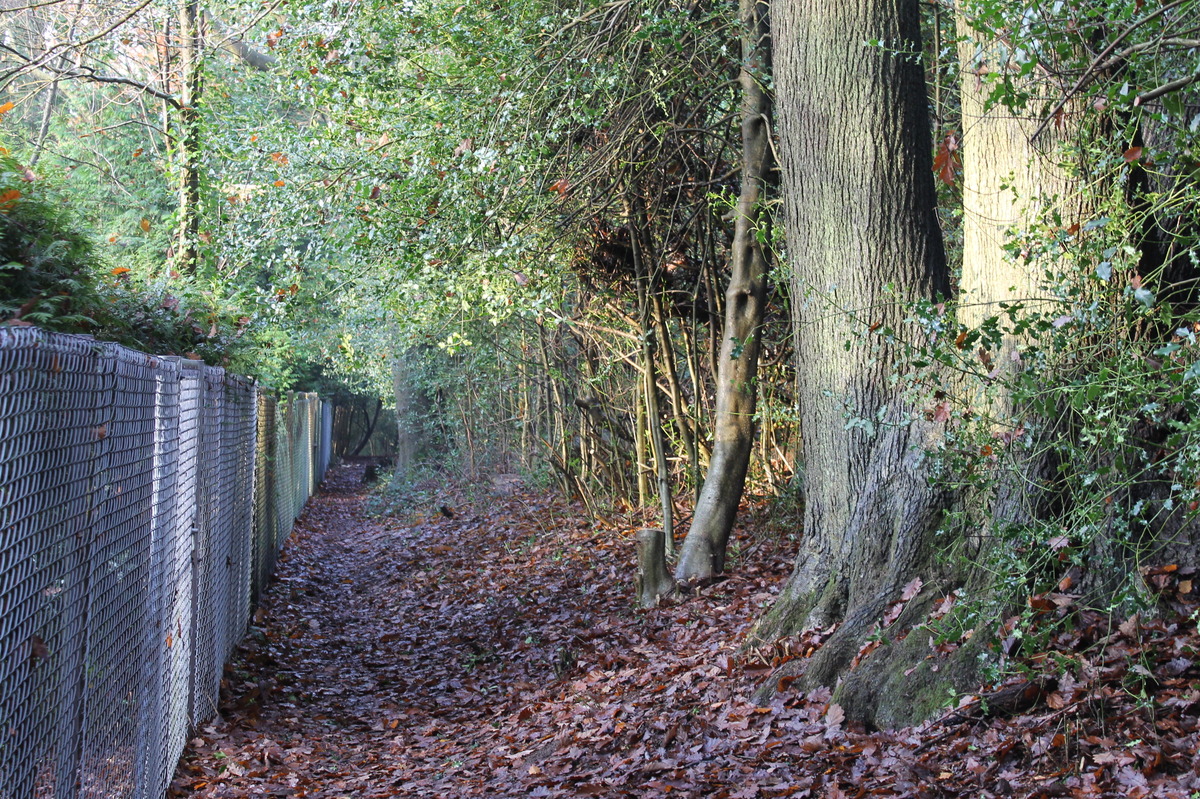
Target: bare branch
{"type": "Point", "coordinates": [235, 44]}
{"type": "Point", "coordinates": [1100, 61]}
{"type": "Point", "coordinates": [32, 6]}
{"type": "Point", "coordinates": [1167, 88]}
{"type": "Point", "coordinates": [54, 50]}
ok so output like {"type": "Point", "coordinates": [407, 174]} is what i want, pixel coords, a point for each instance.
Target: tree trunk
{"type": "Point", "coordinates": [235, 45]}
{"type": "Point", "coordinates": [371, 422]}
{"type": "Point", "coordinates": [1007, 181]}
{"type": "Point", "coordinates": [683, 421]}
{"type": "Point", "coordinates": [639, 447]}
{"type": "Point", "coordinates": [703, 552]}
{"type": "Point", "coordinates": [692, 355]}
{"type": "Point", "coordinates": [864, 240]}
{"type": "Point", "coordinates": [187, 138]}
{"type": "Point", "coordinates": [408, 428]}
{"type": "Point", "coordinates": [526, 414]}
{"type": "Point", "coordinates": [556, 426]}
{"type": "Point", "coordinates": [44, 129]}
{"type": "Point", "coordinates": [649, 383]}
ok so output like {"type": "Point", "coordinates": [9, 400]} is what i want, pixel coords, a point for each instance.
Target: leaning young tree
{"type": "Point", "coordinates": [703, 552]}
{"type": "Point", "coordinates": [863, 241]}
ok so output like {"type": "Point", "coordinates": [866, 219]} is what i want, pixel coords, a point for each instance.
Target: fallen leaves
{"type": "Point", "coordinates": [495, 652]}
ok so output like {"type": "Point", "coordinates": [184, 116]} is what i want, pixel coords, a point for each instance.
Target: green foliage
{"type": "Point", "coordinates": [56, 276]}
{"type": "Point", "coordinates": [1071, 420]}
{"type": "Point", "coordinates": [419, 180]}
{"type": "Point", "coordinates": [47, 263]}
{"type": "Point", "coordinates": [1113, 55]}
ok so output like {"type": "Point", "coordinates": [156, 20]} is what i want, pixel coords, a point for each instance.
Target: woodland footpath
{"type": "Point", "coordinates": [924, 272]}
{"type": "Point", "coordinates": [493, 650]}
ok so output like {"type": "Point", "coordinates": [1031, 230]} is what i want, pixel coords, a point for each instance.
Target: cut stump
{"type": "Point", "coordinates": [653, 580]}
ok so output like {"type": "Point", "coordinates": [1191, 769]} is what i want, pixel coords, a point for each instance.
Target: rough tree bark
{"type": "Point", "coordinates": [187, 137]}
{"type": "Point", "coordinates": [863, 240]}
{"type": "Point", "coordinates": [1014, 173]}
{"type": "Point", "coordinates": [703, 552]}
{"type": "Point", "coordinates": [407, 427]}
{"type": "Point", "coordinates": [1010, 177]}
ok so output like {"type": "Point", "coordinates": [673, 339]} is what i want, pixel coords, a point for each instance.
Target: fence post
{"type": "Point", "coordinates": [157, 760]}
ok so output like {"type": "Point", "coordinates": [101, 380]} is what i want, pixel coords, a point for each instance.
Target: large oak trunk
{"type": "Point", "coordinates": [1010, 177]}
{"type": "Point", "coordinates": [863, 240]}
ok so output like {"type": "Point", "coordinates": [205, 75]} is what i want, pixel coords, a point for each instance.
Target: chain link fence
{"type": "Point", "coordinates": [143, 501]}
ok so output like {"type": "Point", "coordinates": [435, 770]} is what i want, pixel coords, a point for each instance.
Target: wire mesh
{"type": "Point", "coordinates": [143, 501]}
{"type": "Point", "coordinates": [240, 427]}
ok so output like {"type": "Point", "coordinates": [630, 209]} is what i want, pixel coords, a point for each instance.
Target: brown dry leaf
{"type": "Point", "coordinates": [912, 589]}
{"type": "Point", "coordinates": [1130, 627]}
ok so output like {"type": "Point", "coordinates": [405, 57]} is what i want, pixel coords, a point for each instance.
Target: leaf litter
{"type": "Point", "coordinates": [495, 652]}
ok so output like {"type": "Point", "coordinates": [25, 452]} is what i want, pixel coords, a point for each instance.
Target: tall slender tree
{"type": "Point", "coordinates": [187, 135]}
{"type": "Point", "coordinates": [703, 551]}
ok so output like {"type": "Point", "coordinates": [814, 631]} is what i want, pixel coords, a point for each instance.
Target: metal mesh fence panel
{"type": "Point", "coordinates": [155, 723]}
{"type": "Point", "coordinates": [284, 488]}
{"type": "Point", "coordinates": [179, 548]}
{"type": "Point", "coordinates": [313, 434]}
{"type": "Point", "coordinates": [299, 451]}
{"type": "Point", "coordinates": [53, 410]}
{"type": "Point", "coordinates": [211, 542]}
{"type": "Point", "coordinates": [326, 437]}
{"type": "Point", "coordinates": [141, 511]}
{"type": "Point", "coordinates": [239, 432]}
{"type": "Point", "coordinates": [301, 448]}
{"type": "Point", "coordinates": [116, 682]}
{"type": "Point", "coordinates": [296, 422]}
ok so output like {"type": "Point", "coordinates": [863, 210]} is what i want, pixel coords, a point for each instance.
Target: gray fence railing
{"type": "Point", "coordinates": [143, 501]}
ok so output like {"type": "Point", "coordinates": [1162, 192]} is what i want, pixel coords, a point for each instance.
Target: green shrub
{"type": "Point", "coordinates": [46, 263]}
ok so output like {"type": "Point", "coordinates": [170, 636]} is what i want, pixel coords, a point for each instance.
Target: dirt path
{"type": "Point", "coordinates": [301, 700]}
{"type": "Point", "coordinates": [445, 657]}
{"type": "Point", "coordinates": [494, 652]}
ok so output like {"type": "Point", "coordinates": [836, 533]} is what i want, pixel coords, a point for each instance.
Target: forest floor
{"type": "Point", "coordinates": [497, 654]}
